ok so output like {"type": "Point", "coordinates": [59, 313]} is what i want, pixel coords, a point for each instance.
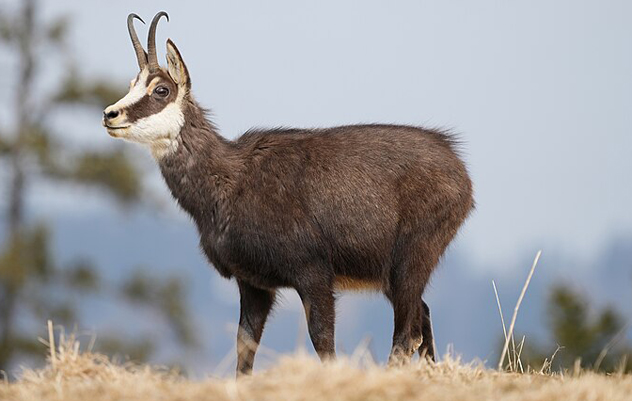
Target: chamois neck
{"type": "Point", "coordinates": [199, 136]}
{"type": "Point", "coordinates": [202, 168]}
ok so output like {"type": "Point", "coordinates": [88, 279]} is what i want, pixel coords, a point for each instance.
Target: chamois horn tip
{"type": "Point", "coordinates": [134, 15]}
{"type": "Point", "coordinates": [160, 14]}
{"type": "Point", "coordinates": [152, 60]}
{"type": "Point", "coordinates": [138, 48]}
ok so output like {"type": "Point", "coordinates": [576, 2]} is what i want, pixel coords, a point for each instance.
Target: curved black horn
{"type": "Point", "coordinates": [141, 56]}
{"type": "Point", "coordinates": [152, 58]}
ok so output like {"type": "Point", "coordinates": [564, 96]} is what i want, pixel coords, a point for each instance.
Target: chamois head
{"type": "Point", "coordinates": [151, 113]}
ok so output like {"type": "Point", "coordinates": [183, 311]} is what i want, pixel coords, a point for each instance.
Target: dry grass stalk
{"type": "Point", "coordinates": [617, 337]}
{"type": "Point", "coordinates": [520, 347]}
{"type": "Point", "coordinates": [502, 318]}
{"type": "Point", "coordinates": [51, 342]}
{"type": "Point", "coordinates": [547, 365]}
{"type": "Point", "coordinates": [623, 363]}
{"type": "Point", "coordinates": [515, 314]}
{"type": "Point", "coordinates": [577, 367]}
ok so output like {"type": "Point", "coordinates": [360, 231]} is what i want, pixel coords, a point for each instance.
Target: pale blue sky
{"type": "Point", "coordinates": [539, 91]}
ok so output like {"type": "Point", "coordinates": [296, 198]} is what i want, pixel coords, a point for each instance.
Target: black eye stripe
{"type": "Point", "coordinates": [145, 107]}
{"type": "Point", "coordinates": [152, 103]}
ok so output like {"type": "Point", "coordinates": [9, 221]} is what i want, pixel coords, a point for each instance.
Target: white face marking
{"type": "Point", "coordinates": [159, 131]}
{"type": "Point", "coordinates": [135, 93]}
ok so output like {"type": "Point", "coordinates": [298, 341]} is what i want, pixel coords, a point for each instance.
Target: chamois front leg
{"type": "Point", "coordinates": [255, 306]}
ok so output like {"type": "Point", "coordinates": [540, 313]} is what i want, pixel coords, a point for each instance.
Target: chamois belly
{"type": "Point", "coordinates": [261, 259]}
{"type": "Point", "coordinates": [270, 259]}
{"type": "Point", "coordinates": [347, 283]}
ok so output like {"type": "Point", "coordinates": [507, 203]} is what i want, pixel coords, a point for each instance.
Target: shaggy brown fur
{"type": "Point", "coordinates": [365, 205]}
{"type": "Point", "coordinates": [351, 207]}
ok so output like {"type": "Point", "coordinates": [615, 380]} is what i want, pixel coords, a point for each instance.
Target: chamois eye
{"type": "Point", "coordinates": [161, 91]}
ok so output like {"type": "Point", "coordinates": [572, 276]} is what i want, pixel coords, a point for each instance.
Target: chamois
{"type": "Point", "coordinates": [317, 210]}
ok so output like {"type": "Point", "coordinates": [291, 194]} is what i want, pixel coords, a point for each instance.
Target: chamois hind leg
{"type": "Point", "coordinates": [404, 293]}
{"type": "Point", "coordinates": [406, 339]}
{"type": "Point", "coordinates": [426, 349]}
{"type": "Point", "coordinates": [418, 250]}
{"type": "Point", "coordinates": [255, 305]}
{"type": "Point", "coordinates": [422, 331]}
{"type": "Point", "coordinates": [413, 263]}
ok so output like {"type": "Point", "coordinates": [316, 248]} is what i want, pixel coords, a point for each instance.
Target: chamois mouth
{"type": "Point", "coordinates": [113, 130]}
{"type": "Point", "coordinates": [112, 127]}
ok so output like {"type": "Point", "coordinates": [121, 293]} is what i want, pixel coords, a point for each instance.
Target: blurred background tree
{"type": "Point", "coordinates": [594, 338]}
{"type": "Point", "coordinates": [32, 287]}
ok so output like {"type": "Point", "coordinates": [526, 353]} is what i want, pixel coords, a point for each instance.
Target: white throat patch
{"type": "Point", "coordinates": [160, 131]}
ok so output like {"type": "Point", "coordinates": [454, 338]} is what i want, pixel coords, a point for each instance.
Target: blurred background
{"type": "Point", "coordinates": [540, 93]}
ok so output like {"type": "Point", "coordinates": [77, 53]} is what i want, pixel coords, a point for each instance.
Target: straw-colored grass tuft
{"type": "Point", "coordinates": [74, 375]}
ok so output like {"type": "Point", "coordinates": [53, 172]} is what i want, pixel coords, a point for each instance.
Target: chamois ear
{"type": "Point", "coordinates": [176, 67]}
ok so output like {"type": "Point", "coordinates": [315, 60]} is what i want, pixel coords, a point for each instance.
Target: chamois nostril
{"type": "Point", "coordinates": [111, 114]}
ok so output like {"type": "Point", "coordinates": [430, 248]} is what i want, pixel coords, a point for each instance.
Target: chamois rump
{"type": "Point", "coordinates": [317, 210]}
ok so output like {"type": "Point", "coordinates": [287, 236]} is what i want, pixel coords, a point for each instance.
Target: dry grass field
{"type": "Point", "coordinates": [74, 375]}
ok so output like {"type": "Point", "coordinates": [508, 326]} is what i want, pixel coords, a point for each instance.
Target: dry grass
{"type": "Point", "coordinates": [514, 353]}
{"type": "Point", "coordinates": [74, 375]}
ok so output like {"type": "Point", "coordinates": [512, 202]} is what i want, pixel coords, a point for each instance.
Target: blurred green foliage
{"type": "Point", "coordinates": [32, 287]}
{"type": "Point", "coordinates": [26, 257]}
{"type": "Point", "coordinates": [588, 337]}
{"type": "Point", "coordinates": [83, 276]}
{"type": "Point", "coordinates": [135, 350]}
{"type": "Point", "coordinates": [165, 294]}
{"type": "Point", "coordinates": [75, 90]}
{"type": "Point", "coordinates": [4, 146]}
